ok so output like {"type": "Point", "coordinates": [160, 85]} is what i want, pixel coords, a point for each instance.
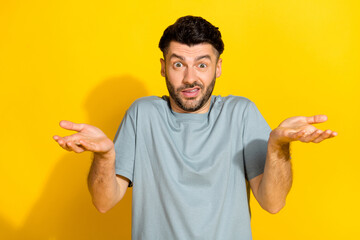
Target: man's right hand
{"type": "Point", "coordinates": [87, 138]}
{"type": "Point", "coordinates": [106, 188]}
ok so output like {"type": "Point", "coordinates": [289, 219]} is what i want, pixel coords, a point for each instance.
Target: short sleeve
{"type": "Point", "coordinates": [125, 148]}
{"type": "Point", "coordinates": [255, 138]}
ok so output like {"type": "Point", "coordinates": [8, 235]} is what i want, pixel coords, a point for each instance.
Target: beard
{"type": "Point", "coordinates": [190, 104]}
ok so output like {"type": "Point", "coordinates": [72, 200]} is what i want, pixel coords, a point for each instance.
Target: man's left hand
{"type": "Point", "coordinates": [301, 129]}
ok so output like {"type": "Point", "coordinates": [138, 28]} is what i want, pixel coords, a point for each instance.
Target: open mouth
{"type": "Point", "coordinates": [191, 92]}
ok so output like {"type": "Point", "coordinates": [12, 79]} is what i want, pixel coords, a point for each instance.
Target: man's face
{"type": "Point", "coordinates": [190, 74]}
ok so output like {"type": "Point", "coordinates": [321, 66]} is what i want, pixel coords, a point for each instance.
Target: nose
{"type": "Point", "coordinates": [190, 76]}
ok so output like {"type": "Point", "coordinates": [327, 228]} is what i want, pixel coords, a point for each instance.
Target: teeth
{"type": "Point", "coordinates": [194, 90]}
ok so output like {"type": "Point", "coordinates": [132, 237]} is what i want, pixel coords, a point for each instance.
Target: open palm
{"type": "Point", "coordinates": [87, 138]}
{"type": "Point", "coordinates": [300, 128]}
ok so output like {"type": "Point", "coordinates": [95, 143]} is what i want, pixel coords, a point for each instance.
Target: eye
{"type": "Point", "coordinates": [202, 65]}
{"type": "Point", "coordinates": [178, 64]}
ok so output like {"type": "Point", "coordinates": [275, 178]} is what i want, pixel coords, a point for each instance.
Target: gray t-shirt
{"type": "Point", "coordinates": [189, 171]}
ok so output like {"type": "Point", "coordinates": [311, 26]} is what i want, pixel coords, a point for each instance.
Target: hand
{"type": "Point", "coordinates": [300, 129]}
{"type": "Point", "coordinates": [87, 138]}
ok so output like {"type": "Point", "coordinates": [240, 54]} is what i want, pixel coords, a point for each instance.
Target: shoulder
{"type": "Point", "coordinates": [146, 104]}
{"type": "Point", "coordinates": [146, 101]}
{"type": "Point", "coordinates": [233, 102]}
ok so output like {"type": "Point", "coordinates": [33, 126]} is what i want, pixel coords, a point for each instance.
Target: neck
{"type": "Point", "coordinates": [203, 109]}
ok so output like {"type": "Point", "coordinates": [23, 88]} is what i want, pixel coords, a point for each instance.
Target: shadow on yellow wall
{"type": "Point", "coordinates": [64, 209]}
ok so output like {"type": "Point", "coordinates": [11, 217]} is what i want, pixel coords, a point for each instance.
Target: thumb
{"type": "Point", "coordinates": [72, 126]}
{"type": "Point", "coordinates": [316, 119]}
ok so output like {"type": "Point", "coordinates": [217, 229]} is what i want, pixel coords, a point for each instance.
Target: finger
{"type": "Point", "coordinates": [326, 134]}
{"type": "Point", "coordinates": [72, 126]}
{"type": "Point", "coordinates": [296, 135]}
{"type": "Point", "coordinates": [74, 147]}
{"type": "Point", "coordinates": [312, 136]}
{"type": "Point", "coordinates": [62, 144]}
{"type": "Point", "coordinates": [73, 138]}
{"type": "Point", "coordinates": [316, 119]}
{"type": "Point", "coordinates": [334, 134]}
{"type": "Point", "coordinates": [89, 145]}
{"type": "Point", "coordinates": [58, 139]}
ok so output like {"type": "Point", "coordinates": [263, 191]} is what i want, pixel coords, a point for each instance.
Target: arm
{"type": "Point", "coordinates": [271, 188]}
{"type": "Point", "coordinates": [105, 187]}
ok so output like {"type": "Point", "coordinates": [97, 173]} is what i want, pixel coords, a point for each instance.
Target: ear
{"type": "Point", "coordinates": [162, 61]}
{"type": "Point", "coordinates": [218, 68]}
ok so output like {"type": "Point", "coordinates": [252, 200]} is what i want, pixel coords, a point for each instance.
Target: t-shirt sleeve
{"type": "Point", "coordinates": [125, 148]}
{"type": "Point", "coordinates": [255, 137]}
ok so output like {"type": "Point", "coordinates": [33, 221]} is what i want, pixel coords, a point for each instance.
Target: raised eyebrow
{"type": "Point", "coordinates": [176, 56]}
{"type": "Point", "coordinates": [196, 59]}
{"type": "Point", "coordinates": [204, 56]}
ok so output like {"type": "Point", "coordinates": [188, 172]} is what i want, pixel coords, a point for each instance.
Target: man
{"type": "Point", "coordinates": [190, 156]}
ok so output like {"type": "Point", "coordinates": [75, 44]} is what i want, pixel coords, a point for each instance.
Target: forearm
{"type": "Point", "coordinates": [277, 178]}
{"type": "Point", "coordinates": [102, 183]}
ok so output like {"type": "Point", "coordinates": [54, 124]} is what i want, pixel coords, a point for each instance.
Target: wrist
{"type": "Point", "coordinates": [275, 141]}
{"type": "Point", "coordinates": [105, 156]}
{"type": "Point", "coordinates": [280, 149]}
{"type": "Point", "coordinates": [277, 144]}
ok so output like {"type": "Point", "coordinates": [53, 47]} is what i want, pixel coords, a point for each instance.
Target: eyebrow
{"type": "Point", "coordinates": [196, 59]}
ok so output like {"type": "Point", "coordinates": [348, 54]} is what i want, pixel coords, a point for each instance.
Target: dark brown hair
{"type": "Point", "coordinates": [191, 30]}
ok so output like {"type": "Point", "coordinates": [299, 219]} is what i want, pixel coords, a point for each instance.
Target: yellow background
{"type": "Point", "coordinates": [86, 61]}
